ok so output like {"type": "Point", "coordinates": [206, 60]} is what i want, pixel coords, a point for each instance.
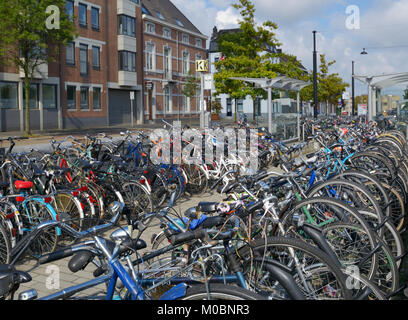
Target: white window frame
{"type": "Point", "coordinates": [152, 25]}
{"type": "Point", "coordinates": [170, 98]}
{"type": "Point", "coordinates": [164, 34]}
{"type": "Point", "coordinates": [185, 63]}
{"type": "Point", "coordinates": [169, 58]}
{"type": "Point", "coordinates": [201, 43]}
{"type": "Point", "coordinates": [153, 56]}
{"type": "Point", "coordinates": [184, 35]}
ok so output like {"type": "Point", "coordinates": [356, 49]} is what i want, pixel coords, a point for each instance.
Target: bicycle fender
{"type": "Point", "coordinates": [175, 292]}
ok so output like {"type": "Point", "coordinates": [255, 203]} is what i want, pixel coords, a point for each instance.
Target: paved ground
{"type": "Point", "coordinates": [55, 276]}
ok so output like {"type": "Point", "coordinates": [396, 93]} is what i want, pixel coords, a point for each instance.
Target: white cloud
{"type": "Point", "coordinates": [383, 23]}
{"type": "Point", "coordinates": [289, 11]}
{"type": "Point", "coordinates": [227, 19]}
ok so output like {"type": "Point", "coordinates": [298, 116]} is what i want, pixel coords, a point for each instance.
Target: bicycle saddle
{"type": "Point", "coordinates": [207, 207]}
{"type": "Point", "coordinates": [23, 184]}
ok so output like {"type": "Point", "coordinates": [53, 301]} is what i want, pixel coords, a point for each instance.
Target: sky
{"type": "Point", "coordinates": [382, 30]}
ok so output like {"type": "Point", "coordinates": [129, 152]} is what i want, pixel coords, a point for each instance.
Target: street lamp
{"type": "Point", "coordinates": [353, 104]}
{"type": "Point", "coordinates": [314, 75]}
{"type": "Point", "coordinates": [364, 51]}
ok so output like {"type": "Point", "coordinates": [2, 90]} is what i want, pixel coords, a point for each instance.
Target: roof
{"type": "Point", "coordinates": [385, 80]}
{"type": "Point", "coordinates": [165, 10]}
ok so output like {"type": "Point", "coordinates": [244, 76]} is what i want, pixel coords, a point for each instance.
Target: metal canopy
{"type": "Point", "coordinates": [380, 82]}
{"type": "Point", "coordinates": [385, 80]}
{"type": "Point", "coordinates": [281, 83]}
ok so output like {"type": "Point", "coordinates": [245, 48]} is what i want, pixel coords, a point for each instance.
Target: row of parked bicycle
{"type": "Point", "coordinates": [327, 225]}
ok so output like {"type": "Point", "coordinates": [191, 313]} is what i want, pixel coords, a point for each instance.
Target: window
{"type": "Point", "coordinates": [9, 95]}
{"type": "Point", "coordinates": [95, 18]}
{"type": "Point", "coordinates": [83, 58]}
{"type": "Point", "coordinates": [199, 43]}
{"type": "Point", "coordinates": [179, 22]}
{"type": "Point", "coordinates": [186, 62]}
{"type": "Point", "coordinates": [96, 58]}
{"type": "Point", "coordinates": [240, 106]}
{"type": "Point", "coordinates": [185, 38]}
{"type": "Point", "coordinates": [127, 25]}
{"type": "Point", "coordinates": [84, 98]}
{"type": "Point", "coordinates": [150, 56]}
{"type": "Point", "coordinates": [127, 61]}
{"type": "Point", "coordinates": [185, 102]}
{"type": "Point", "coordinates": [69, 8]}
{"type": "Point", "coordinates": [258, 111]}
{"type": "Point", "coordinates": [167, 33]}
{"type": "Point", "coordinates": [33, 97]}
{"type": "Point", "coordinates": [83, 21]}
{"type": "Point", "coordinates": [150, 27]}
{"type": "Point", "coordinates": [49, 96]}
{"type": "Point", "coordinates": [167, 99]}
{"type": "Point", "coordinates": [70, 51]}
{"type": "Point", "coordinates": [198, 94]}
{"type": "Point", "coordinates": [96, 99]}
{"type": "Point", "coordinates": [135, 1]}
{"type": "Point", "coordinates": [229, 107]}
{"type": "Point", "coordinates": [159, 14]}
{"type": "Point", "coordinates": [167, 61]}
{"type": "Point", "coordinates": [71, 97]}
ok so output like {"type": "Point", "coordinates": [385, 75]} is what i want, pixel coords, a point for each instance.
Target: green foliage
{"type": "Point", "coordinates": [242, 54]}
{"type": "Point", "coordinates": [190, 88]}
{"type": "Point", "coordinates": [330, 87]}
{"type": "Point", "coordinates": [25, 40]}
{"type": "Point", "coordinates": [406, 94]}
{"type": "Point", "coordinates": [216, 106]}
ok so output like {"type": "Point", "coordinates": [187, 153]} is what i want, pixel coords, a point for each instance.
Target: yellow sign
{"type": "Point", "coordinates": [201, 65]}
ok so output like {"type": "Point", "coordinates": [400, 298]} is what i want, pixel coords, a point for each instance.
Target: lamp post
{"type": "Point", "coordinates": [314, 75]}
{"type": "Point", "coordinates": [353, 104]}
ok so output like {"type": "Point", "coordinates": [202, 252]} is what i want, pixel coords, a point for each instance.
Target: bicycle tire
{"type": "Point", "coordinates": [219, 292]}
{"type": "Point", "coordinates": [304, 251]}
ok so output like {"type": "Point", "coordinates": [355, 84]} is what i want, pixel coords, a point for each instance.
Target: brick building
{"type": "Point", "coordinates": [90, 83]}
{"type": "Point", "coordinates": [172, 45]}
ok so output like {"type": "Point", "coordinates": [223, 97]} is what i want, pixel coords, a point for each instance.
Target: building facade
{"type": "Point", "coordinates": [94, 78]}
{"type": "Point", "coordinates": [172, 44]}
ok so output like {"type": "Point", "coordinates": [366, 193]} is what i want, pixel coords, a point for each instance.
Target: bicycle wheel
{"type": "Point", "coordinates": [5, 246]}
{"type": "Point", "coordinates": [352, 246]}
{"type": "Point", "coordinates": [353, 193]}
{"type": "Point", "coordinates": [138, 199]}
{"type": "Point", "coordinates": [314, 272]}
{"type": "Point", "coordinates": [197, 180]}
{"type": "Point", "coordinates": [361, 287]}
{"type": "Point", "coordinates": [371, 183]}
{"type": "Point", "coordinates": [323, 212]}
{"type": "Point", "coordinates": [69, 208]}
{"type": "Point", "coordinates": [218, 291]}
{"type": "Point", "coordinates": [389, 233]}
{"type": "Point", "coordinates": [33, 213]}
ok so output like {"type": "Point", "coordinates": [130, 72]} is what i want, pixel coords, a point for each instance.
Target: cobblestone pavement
{"type": "Point", "coordinates": [54, 276]}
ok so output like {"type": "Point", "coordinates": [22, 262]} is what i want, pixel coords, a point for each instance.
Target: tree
{"type": "Point", "coordinates": [31, 33]}
{"type": "Point", "coordinates": [406, 94]}
{"type": "Point", "coordinates": [242, 55]}
{"type": "Point", "coordinates": [330, 86]}
{"type": "Point", "coordinates": [190, 88]}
